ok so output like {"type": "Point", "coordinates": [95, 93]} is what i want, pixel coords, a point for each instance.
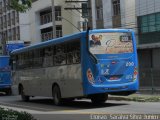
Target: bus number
{"type": "Point", "coordinates": [128, 64]}
{"type": "Point", "coordinates": [125, 38]}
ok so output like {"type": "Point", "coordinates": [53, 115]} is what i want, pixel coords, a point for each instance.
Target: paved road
{"type": "Point", "coordinates": [44, 109]}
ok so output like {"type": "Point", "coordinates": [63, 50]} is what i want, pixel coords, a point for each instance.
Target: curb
{"type": "Point", "coordinates": [136, 98]}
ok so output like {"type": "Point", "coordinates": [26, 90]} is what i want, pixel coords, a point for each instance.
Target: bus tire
{"type": "Point", "coordinates": [99, 98]}
{"type": "Point", "coordinates": [9, 91]}
{"type": "Point", "coordinates": [23, 96]}
{"type": "Point", "coordinates": [57, 95]}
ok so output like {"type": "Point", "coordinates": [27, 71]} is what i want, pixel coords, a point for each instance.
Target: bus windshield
{"type": "Point", "coordinates": [111, 43]}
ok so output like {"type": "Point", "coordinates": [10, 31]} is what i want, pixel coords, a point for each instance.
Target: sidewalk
{"type": "Point", "coordinates": [137, 97]}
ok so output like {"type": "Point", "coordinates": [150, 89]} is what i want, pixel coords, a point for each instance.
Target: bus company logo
{"type": "Point", "coordinates": [90, 76]}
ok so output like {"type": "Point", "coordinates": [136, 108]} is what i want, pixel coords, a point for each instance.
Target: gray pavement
{"type": "Point", "coordinates": [43, 108]}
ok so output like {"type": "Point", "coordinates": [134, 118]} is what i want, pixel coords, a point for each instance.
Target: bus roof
{"type": "Point", "coordinates": [65, 38]}
{"type": "Point", "coordinates": [111, 30]}
{"type": "Point", "coordinates": [47, 43]}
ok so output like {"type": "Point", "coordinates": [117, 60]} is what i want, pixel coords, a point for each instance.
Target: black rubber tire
{"type": "Point", "coordinates": [23, 96]}
{"type": "Point", "coordinates": [8, 91]}
{"type": "Point", "coordinates": [57, 95]}
{"type": "Point", "coordinates": [99, 98]}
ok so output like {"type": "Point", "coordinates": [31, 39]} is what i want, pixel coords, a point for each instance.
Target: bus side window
{"type": "Point", "coordinates": [77, 52]}
{"type": "Point", "coordinates": [30, 60]}
{"type": "Point", "coordinates": [69, 58]}
{"type": "Point", "coordinates": [37, 58]}
{"type": "Point", "coordinates": [20, 61]}
{"type": "Point", "coordinates": [60, 54]}
{"type": "Point", "coordinates": [73, 55]}
{"type": "Point", "coordinates": [48, 57]}
{"type": "Point", "coordinates": [76, 58]}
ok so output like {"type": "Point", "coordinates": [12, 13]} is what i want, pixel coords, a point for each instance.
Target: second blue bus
{"type": "Point", "coordinates": [5, 75]}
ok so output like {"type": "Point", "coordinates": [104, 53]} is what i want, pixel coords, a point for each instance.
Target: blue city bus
{"type": "Point", "coordinates": [5, 75]}
{"type": "Point", "coordinates": [90, 64]}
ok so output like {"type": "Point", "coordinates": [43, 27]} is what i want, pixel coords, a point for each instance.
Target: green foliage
{"type": "Point", "coordinates": [145, 99]}
{"type": "Point", "coordinates": [14, 115]}
{"type": "Point", "coordinates": [137, 98]}
{"type": "Point", "coordinates": [21, 5]}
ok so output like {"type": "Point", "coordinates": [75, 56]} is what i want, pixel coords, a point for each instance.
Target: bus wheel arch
{"type": "Point", "coordinates": [56, 93]}
{"type": "Point", "coordinates": [22, 93]}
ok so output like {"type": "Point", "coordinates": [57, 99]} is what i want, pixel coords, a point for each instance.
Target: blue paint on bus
{"type": "Point", "coordinates": [112, 73]}
{"type": "Point", "coordinates": [5, 74]}
{"type": "Point", "coordinates": [120, 79]}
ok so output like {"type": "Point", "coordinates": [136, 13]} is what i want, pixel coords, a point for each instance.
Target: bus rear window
{"type": "Point", "coordinates": [111, 43]}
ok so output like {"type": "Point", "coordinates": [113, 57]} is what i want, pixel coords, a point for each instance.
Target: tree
{"type": "Point", "coordinates": [20, 5]}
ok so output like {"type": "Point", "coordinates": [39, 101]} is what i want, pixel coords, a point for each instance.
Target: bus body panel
{"type": "Point", "coordinates": [85, 78]}
{"type": "Point", "coordinates": [118, 68]}
{"type": "Point", "coordinates": [38, 82]}
{"type": "Point", "coordinates": [30, 79]}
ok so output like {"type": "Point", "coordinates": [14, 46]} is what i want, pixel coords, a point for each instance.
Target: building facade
{"type": "Point", "coordinates": [67, 19]}
{"type": "Point", "coordinates": [113, 14]}
{"type": "Point", "coordinates": [38, 24]}
{"type": "Point", "coordinates": [143, 16]}
{"type": "Point", "coordinates": [14, 26]}
{"type": "Point", "coordinates": [148, 19]}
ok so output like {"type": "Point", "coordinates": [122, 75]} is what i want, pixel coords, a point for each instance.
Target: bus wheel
{"type": "Point", "coordinates": [57, 95]}
{"type": "Point", "coordinates": [23, 96]}
{"type": "Point", "coordinates": [9, 91]}
{"type": "Point", "coordinates": [99, 98]}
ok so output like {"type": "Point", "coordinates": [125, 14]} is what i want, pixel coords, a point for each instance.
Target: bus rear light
{"type": "Point", "coordinates": [135, 74]}
{"type": "Point", "coordinates": [90, 76]}
{"type": "Point", "coordinates": [135, 71]}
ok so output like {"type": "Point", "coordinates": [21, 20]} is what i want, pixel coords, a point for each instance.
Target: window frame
{"type": "Point", "coordinates": [29, 58]}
